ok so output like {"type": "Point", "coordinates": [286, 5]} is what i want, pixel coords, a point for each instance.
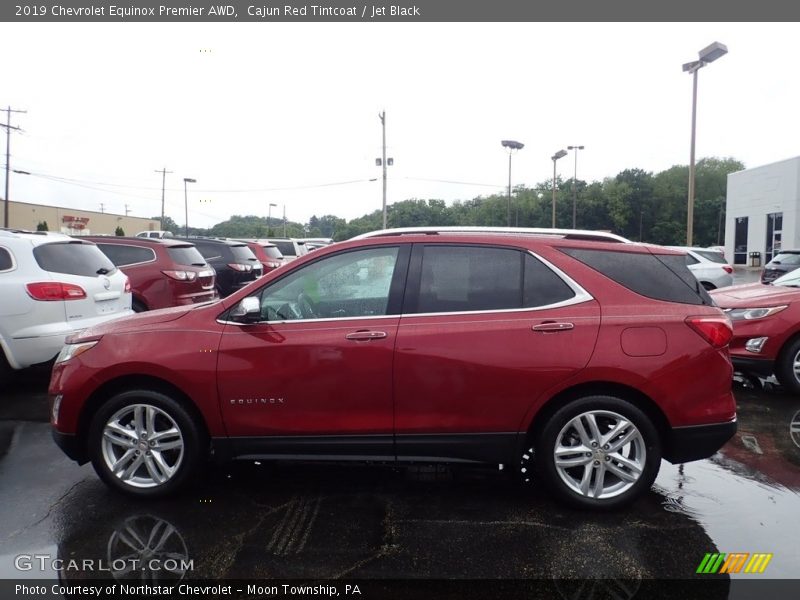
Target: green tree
{"type": "Point", "coordinates": [42, 226]}
{"type": "Point", "coordinates": [119, 231]}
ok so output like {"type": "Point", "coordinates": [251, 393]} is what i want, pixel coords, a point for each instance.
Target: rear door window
{"type": "Point", "coordinates": [122, 255]}
{"type": "Point", "coordinates": [73, 258]}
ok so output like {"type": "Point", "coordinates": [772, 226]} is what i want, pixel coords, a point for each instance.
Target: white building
{"type": "Point", "coordinates": [762, 211]}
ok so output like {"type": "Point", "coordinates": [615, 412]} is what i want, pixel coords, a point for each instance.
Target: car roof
{"type": "Point", "coordinates": [118, 239]}
{"type": "Point", "coordinates": [37, 237]}
{"type": "Point", "coordinates": [583, 234]}
{"type": "Point", "coordinates": [225, 241]}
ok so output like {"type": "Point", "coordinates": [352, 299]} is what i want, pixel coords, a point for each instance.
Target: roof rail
{"type": "Point", "coordinates": [572, 234]}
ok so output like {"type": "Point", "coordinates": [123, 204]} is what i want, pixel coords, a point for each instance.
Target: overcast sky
{"type": "Point", "coordinates": [262, 107]}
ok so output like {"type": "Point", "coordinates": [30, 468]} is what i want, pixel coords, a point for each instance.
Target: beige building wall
{"type": "Point", "coordinates": [71, 221]}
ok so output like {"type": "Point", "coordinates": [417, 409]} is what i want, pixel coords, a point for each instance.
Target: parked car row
{"type": "Point", "coordinates": [52, 286]}
{"type": "Point", "coordinates": [571, 355]}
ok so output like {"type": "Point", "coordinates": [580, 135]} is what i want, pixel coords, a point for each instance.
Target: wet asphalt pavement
{"type": "Point", "coordinates": [322, 521]}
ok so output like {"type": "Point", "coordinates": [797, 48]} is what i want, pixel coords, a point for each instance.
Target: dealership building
{"type": "Point", "coordinates": [762, 211]}
{"type": "Point", "coordinates": [22, 215]}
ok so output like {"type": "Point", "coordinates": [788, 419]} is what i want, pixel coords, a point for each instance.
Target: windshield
{"type": "Point", "coordinates": [786, 259]}
{"type": "Point", "coordinates": [791, 279]}
{"type": "Point", "coordinates": [713, 256]}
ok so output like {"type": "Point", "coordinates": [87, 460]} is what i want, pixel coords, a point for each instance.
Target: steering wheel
{"type": "Point", "coordinates": [305, 306]}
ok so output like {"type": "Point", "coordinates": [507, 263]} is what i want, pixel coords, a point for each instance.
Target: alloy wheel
{"type": "Point", "coordinates": [142, 446]}
{"type": "Point", "coordinates": [599, 454]}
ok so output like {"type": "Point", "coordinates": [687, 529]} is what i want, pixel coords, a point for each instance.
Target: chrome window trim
{"type": "Point", "coordinates": [581, 296]}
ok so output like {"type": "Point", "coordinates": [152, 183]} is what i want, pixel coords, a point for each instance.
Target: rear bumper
{"type": "Point", "coordinates": [759, 366]}
{"type": "Point", "coordinates": [685, 444]}
{"type": "Point", "coordinates": [70, 445]}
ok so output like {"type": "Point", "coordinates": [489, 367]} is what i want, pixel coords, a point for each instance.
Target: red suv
{"type": "Point", "coordinates": [581, 357]}
{"type": "Point", "coordinates": [163, 272]}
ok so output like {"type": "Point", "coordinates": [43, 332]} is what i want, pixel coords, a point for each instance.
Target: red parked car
{"type": "Point", "coordinates": [164, 272]}
{"type": "Point", "coordinates": [579, 356]}
{"type": "Point", "coordinates": [267, 254]}
{"type": "Point", "coordinates": [766, 328]}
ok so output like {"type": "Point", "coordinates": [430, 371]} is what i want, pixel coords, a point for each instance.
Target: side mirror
{"type": "Point", "coordinates": [247, 311]}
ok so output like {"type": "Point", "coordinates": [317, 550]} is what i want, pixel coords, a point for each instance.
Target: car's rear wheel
{"type": "Point", "coordinates": [708, 285]}
{"type": "Point", "coordinates": [145, 444]}
{"type": "Point", "coordinates": [787, 367]}
{"type": "Point", "coordinates": [138, 306]}
{"type": "Point", "coordinates": [598, 452]}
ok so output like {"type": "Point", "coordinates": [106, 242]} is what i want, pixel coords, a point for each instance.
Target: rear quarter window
{"type": "Point", "coordinates": [6, 262]}
{"type": "Point", "coordinates": [73, 258]}
{"type": "Point", "coordinates": [122, 255]}
{"type": "Point", "coordinates": [661, 277]}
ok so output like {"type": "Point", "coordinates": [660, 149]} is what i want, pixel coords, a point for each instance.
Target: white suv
{"type": "Point", "coordinates": [51, 286]}
{"type": "Point", "coordinates": [708, 265]}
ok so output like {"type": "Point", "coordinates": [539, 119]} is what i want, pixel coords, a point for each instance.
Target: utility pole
{"type": "Point", "coordinates": [163, 185]}
{"type": "Point", "coordinates": [127, 210]}
{"type": "Point", "coordinates": [102, 208]}
{"type": "Point", "coordinates": [284, 220]}
{"type": "Point", "coordinates": [383, 163]}
{"type": "Point", "coordinates": [8, 127]}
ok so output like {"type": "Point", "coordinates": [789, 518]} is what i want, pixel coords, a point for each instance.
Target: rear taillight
{"type": "Point", "coordinates": [127, 286]}
{"type": "Point", "coordinates": [49, 291]}
{"type": "Point", "coordinates": [240, 267]}
{"type": "Point", "coordinates": [273, 265]}
{"type": "Point", "coordinates": [717, 331]}
{"type": "Point", "coordinates": [181, 275]}
{"type": "Point", "coordinates": [727, 268]}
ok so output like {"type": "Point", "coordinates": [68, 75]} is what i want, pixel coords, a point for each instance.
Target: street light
{"type": "Point", "coordinates": [512, 146]}
{"type": "Point", "coordinates": [575, 188]}
{"type": "Point", "coordinates": [186, 201]}
{"type": "Point", "coordinates": [269, 219]}
{"type": "Point", "coordinates": [707, 55]}
{"type": "Point", "coordinates": [554, 158]}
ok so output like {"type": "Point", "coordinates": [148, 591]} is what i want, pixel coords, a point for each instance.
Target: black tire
{"type": "Point", "coordinates": [708, 285]}
{"type": "Point", "coordinates": [138, 306]}
{"type": "Point", "coordinates": [169, 414]}
{"type": "Point", "coordinates": [605, 411]}
{"type": "Point", "coordinates": [5, 368]}
{"type": "Point", "coordinates": [784, 366]}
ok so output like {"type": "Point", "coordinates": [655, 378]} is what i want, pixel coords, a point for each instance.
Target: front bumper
{"type": "Point", "coordinates": [758, 366]}
{"type": "Point", "coordinates": [71, 446]}
{"type": "Point", "coordinates": [685, 444]}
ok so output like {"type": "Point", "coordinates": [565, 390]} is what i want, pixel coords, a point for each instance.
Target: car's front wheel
{"type": "Point", "coordinates": [787, 367]}
{"type": "Point", "coordinates": [598, 452]}
{"type": "Point", "coordinates": [145, 444]}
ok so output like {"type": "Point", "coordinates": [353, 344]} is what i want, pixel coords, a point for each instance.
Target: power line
{"type": "Point", "coordinates": [8, 127]}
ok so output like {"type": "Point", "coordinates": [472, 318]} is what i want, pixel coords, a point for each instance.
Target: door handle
{"type": "Point", "coordinates": [366, 335]}
{"type": "Point", "coordinates": [553, 326]}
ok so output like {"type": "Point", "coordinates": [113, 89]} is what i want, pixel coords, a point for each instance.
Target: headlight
{"type": "Point", "coordinates": [72, 350]}
{"type": "Point", "coordinates": [749, 314]}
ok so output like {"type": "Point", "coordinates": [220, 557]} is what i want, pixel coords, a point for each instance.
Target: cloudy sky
{"type": "Point", "coordinates": [262, 113]}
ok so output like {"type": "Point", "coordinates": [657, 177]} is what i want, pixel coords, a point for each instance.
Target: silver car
{"type": "Point", "coordinates": [709, 266]}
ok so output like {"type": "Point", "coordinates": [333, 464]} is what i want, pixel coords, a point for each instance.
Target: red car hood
{"type": "Point", "coordinates": [755, 295]}
{"type": "Point", "coordinates": [136, 322]}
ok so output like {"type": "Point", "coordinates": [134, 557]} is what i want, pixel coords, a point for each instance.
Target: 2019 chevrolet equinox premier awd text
{"type": "Point", "coordinates": [586, 358]}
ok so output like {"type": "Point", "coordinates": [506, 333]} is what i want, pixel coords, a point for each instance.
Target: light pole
{"type": "Point", "coordinates": [512, 146]}
{"type": "Point", "coordinates": [707, 55]}
{"type": "Point", "coordinates": [186, 202]}
{"type": "Point", "coordinates": [554, 158]}
{"type": "Point", "coordinates": [269, 219]}
{"type": "Point", "coordinates": [575, 187]}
